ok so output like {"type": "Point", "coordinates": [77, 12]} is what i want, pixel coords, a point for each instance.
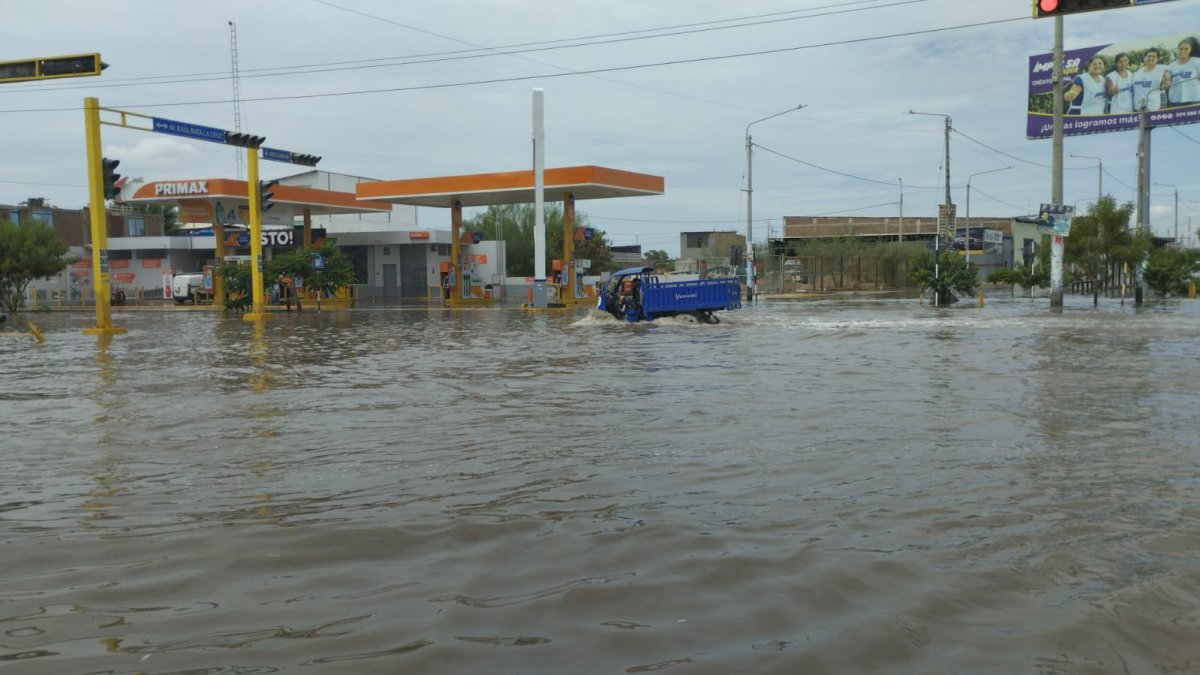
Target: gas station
{"type": "Point", "coordinates": [565, 184]}
{"type": "Point", "coordinates": [225, 202]}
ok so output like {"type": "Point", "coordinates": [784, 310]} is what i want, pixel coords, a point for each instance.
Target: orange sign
{"type": "Point", "coordinates": [480, 258]}
{"type": "Point", "coordinates": [118, 264]}
{"type": "Point", "coordinates": [82, 263]}
{"type": "Point", "coordinates": [418, 234]}
{"type": "Point", "coordinates": [124, 277]}
{"type": "Point", "coordinates": [152, 263]}
{"type": "Point", "coordinates": [195, 211]}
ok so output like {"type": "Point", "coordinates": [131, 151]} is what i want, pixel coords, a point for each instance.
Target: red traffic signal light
{"type": "Point", "coordinates": [1044, 8]}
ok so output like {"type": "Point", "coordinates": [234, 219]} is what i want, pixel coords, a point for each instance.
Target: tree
{"type": "Point", "coordinates": [237, 286]}
{"type": "Point", "coordinates": [338, 272]}
{"type": "Point", "coordinates": [658, 256]}
{"type": "Point", "coordinates": [953, 273]}
{"type": "Point", "coordinates": [518, 225]}
{"type": "Point", "coordinates": [1099, 239]}
{"type": "Point", "coordinates": [1169, 270]}
{"type": "Point", "coordinates": [28, 250]}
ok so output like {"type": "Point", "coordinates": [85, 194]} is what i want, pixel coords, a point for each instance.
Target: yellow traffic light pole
{"type": "Point", "coordinates": [99, 222]}
{"type": "Point", "coordinates": [256, 261]}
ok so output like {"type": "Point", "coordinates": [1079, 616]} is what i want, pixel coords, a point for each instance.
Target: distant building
{"type": "Point", "coordinates": [626, 256]}
{"type": "Point", "coordinates": [714, 252]}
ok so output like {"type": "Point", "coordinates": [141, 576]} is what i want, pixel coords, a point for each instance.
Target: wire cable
{"type": "Point", "coordinates": [521, 78]}
{"type": "Point", "coordinates": [842, 173]}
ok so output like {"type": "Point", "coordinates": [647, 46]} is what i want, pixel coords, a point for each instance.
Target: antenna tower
{"type": "Point", "coordinates": [238, 153]}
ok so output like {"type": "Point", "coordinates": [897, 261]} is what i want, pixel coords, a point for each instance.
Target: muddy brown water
{"type": "Point", "coordinates": [848, 485]}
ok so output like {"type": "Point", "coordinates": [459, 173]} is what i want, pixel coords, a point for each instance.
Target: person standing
{"type": "Point", "coordinates": [1148, 80]}
{"type": "Point", "coordinates": [1184, 72]}
{"type": "Point", "coordinates": [1120, 86]}
{"type": "Point", "coordinates": [1088, 93]}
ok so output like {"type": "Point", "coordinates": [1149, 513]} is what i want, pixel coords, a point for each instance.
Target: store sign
{"type": "Point", "coordinates": [185, 187]}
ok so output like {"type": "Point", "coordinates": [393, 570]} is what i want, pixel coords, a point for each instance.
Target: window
{"type": "Point", "coordinates": [14, 216]}
{"type": "Point", "coordinates": [137, 226]}
{"type": "Point", "coordinates": [46, 217]}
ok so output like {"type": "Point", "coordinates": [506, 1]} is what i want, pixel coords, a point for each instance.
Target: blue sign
{"type": "Point", "coordinates": [187, 130]}
{"type": "Point", "coordinates": [476, 237]}
{"type": "Point", "coordinates": [277, 155]}
{"type": "Point", "coordinates": [587, 233]}
{"type": "Point", "coordinates": [243, 239]}
{"type": "Point", "coordinates": [318, 261]}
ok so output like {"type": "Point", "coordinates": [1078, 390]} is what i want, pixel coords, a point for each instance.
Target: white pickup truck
{"type": "Point", "coordinates": [184, 287]}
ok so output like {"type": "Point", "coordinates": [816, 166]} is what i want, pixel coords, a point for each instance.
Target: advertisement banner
{"type": "Point", "coordinates": [1108, 87]}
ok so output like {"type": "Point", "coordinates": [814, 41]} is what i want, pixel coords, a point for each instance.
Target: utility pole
{"type": "Point", "coordinates": [1056, 182]}
{"type": "Point", "coordinates": [900, 230]}
{"type": "Point", "coordinates": [750, 202]}
{"type": "Point", "coordinates": [1176, 237]}
{"type": "Point", "coordinates": [946, 217]}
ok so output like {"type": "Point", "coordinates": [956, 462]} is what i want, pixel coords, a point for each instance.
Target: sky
{"type": "Point", "coordinates": [394, 90]}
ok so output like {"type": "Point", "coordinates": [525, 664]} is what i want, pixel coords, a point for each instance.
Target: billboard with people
{"type": "Point", "coordinates": [1108, 87]}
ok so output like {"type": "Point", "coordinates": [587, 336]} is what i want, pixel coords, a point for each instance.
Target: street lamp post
{"type": "Point", "coordinates": [900, 229]}
{"type": "Point", "coordinates": [1176, 238]}
{"type": "Point", "coordinates": [750, 202]}
{"type": "Point", "coordinates": [937, 240]}
{"type": "Point", "coordinates": [967, 234]}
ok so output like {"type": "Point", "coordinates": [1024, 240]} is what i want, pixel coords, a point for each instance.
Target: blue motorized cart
{"type": "Point", "coordinates": [638, 294]}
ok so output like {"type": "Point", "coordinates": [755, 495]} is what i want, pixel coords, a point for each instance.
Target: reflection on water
{"type": "Point", "coordinates": [830, 486]}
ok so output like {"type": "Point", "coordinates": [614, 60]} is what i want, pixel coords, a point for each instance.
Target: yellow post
{"type": "Point", "coordinates": [219, 252]}
{"type": "Point", "coordinates": [1191, 290]}
{"type": "Point", "coordinates": [568, 247]}
{"type": "Point", "coordinates": [256, 254]}
{"type": "Point", "coordinates": [981, 299]}
{"type": "Point", "coordinates": [99, 218]}
{"type": "Point", "coordinates": [455, 252]}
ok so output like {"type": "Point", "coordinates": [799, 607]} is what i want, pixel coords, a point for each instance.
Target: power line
{"type": "Point", "coordinates": [842, 173]}
{"type": "Point", "coordinates": [1001, 201]}
{"type": "Point", "coordinates": [520, 78]}
{"type": "Point", "coordinates": [1185, 136]}
{"type": "Point", "coordinates": [477, 51]}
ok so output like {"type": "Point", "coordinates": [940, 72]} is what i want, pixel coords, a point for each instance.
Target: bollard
{"type": "Point", "coordinates": [981, 299]}
{"type": "Point", "coordinates": [1191, 290]}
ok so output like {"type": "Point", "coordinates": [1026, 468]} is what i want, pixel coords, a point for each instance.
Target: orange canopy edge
{"type": "Point", "coordinates": [512, 187]}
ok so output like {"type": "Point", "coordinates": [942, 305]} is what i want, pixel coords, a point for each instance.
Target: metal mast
{"type": "Point", "coordinates": [237, 97]}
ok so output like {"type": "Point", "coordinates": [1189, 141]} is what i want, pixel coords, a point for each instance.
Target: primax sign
{"type": "Point", "coordinates": [186, 187]}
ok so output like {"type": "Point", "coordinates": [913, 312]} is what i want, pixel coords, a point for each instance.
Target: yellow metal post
{"type": "Point", "coordinates": [568, 246]}
{"type": "Point", "coordinates": [219, 252]}
{"type": "Point", "coordinates": [456, 268]}
{"type": "Point", "coordinates": [99, 218]}
{"type": "Point", "coordinates": [256, 254]}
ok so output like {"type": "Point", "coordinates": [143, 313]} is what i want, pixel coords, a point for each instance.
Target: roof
{"type": "Point", "coordinates": [194, 196]}
{"type": "Point", "coordinates": [512, 187]}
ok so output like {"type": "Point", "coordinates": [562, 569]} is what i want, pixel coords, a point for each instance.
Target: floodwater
{"type": "Point", "coordinates": [851, 485]}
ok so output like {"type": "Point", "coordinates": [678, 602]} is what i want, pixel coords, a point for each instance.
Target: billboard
{"type": "Point", "coordinates": [1107, 87]}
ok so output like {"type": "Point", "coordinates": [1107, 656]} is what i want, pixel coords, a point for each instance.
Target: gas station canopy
{"type": "Point", "coordinates": [511, 187]}
{"type": "Point", "coordinates": [199, 199]}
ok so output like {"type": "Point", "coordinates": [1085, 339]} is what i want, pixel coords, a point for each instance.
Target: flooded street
{"type": "Point", "coordinates": [844, 485]}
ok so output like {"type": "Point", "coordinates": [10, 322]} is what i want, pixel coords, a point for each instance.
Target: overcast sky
{"type": "Point", "coordinates": [382, 89]}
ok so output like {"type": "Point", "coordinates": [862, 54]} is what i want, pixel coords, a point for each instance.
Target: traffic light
{"type": "Point", "coordinates": [305, 160]}
{"type": "Point", "coordinates": [243, 140]}
{"type": "Point", "coordinates": [1045, 8]}
{"type": "Point", "coordinates": [109, 166]}
{"type": "Point", "coordinates": [265, 195]}
{"type": "Point", "coordinates": [51, 67]}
